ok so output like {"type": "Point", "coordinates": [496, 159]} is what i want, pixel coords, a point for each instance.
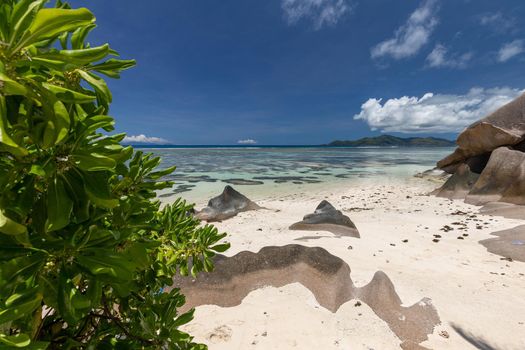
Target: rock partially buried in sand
{"type": "Point", "coordinates": [509, 243]}
{"type": "Point", "coordinates": [459, 184]}
{"type": "Point", "coordinates": [435, 175]}
{"type": "Point", "coordinates": [327, 218]}
{"type": "Point", "coordinates": [325, 275]}
{"type": "Point", "coordinates": [507, 210]}
{"type": "Point", "coordinates": [503, 179]}
{"type": "Point", "coordinates": [228, 204]}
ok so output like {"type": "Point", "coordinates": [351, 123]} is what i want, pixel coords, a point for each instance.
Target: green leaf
{"type": "Point", "coordinates": [8, 143]}
{"type": "Point", "coordinates": [97, 189]}
{"type": "Point", "coordinates": [93, 161]}
{"type": "Point", "coordinates": [48, 23]}
{"type": "Point", "coordinates": [62, 120]}
{"type": "Point", "coordinates": [9, 226]}
{"type": "Point", "coordinates": [59, 205]}
{"type": "Point", "coordinates": [17, 341]}
{"type": "Point", "coordinates": [20, 305]}
{"type": "Point", "coordinates": [77, 191]}
{"type": "Point", "coordinates": [53, 64]}
{"type": "Point", "coordinates": [78, 57]}
{"type": "Point", "coordinates": [10, 87]}
{"type": "Point", "coordinates": [184, 318]}
{"type": "Point", "coordinates": [158, 174]}
{"type": "Point", "coordinates": [67, 95]}
{"type": "Point", "coordinates": [37, 170]}
{"type": "Point", "coordinates": [79, 36]}
{"type": "Point", "coordinates": [66, 293]}
{"type": "Point", "coordinates": [219, 248]}
{"type": "Point", "coordinates": [23, 15]}
{"type": "Point", "coordinates": [110, 264]}
{"type": "Point", "coordinates": [45, 133]}
{"type": "Point", "coordinates": [50, 291]}
{"type": "Point", "coordinates": [112, 67]}
{"type": "Point", "coordinates": [40, 345]}
{"type": "Point", "coordinates": [23, 267]}
{"type": "Point", "coordinates": [98, 84]}
{"type": "Point", "coordinates": [99, 121]}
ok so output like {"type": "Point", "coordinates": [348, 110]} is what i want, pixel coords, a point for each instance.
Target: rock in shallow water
{"type": "Point", "coordinates": [228, 204]}
{"type": "Point", "coordinates": [327, 218]}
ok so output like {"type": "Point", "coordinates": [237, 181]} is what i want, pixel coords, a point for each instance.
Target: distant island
{"type": "Point", "coordinates": [389, 140]}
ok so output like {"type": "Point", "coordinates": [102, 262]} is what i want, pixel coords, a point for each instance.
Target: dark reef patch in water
{"type": "Point", "coordinates": [285, 179]}
{"type": "Point", "coordinates": [183, 188]}
{"type": "Point", "coordinates": [243, 182]}
{"type": "Point", "coordinates": [191, 178]}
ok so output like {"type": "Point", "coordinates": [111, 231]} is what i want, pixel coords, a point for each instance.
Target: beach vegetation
{"type": "Point", "coordinates": [85, 247]}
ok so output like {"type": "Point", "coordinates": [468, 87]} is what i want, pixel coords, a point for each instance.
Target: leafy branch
{"type": "Point", "coordinates": [85, 248]}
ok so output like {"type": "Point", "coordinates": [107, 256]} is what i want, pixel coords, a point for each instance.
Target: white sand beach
{"type": "Point", "coordinates": [474, 291]}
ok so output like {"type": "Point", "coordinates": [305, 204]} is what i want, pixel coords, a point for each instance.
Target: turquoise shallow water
{"type": "Point", "coordinates": [203, 172]}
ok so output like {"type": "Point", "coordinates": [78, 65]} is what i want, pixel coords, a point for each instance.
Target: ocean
{"type": "Point", "coordinates": [203, 171]}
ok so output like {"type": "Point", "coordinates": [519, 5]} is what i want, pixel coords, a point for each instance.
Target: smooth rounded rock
{"type": "Point", "coordinates": [228, 204]}
{"type": "Point", "coordinates": [327, 218]}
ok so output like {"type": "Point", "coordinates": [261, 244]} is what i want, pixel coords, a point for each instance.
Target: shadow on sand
{"type": "Point", "coordinates": [475, 341]}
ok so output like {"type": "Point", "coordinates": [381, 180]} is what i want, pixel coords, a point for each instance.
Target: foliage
{"type": "Point", "coordinates": [85, 249]}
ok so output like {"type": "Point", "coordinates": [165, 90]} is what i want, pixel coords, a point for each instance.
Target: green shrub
{"type": "Point", "coordinates": [85, 248]}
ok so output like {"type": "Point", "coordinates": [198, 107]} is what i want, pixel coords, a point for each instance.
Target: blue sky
{"type": "Point", "coordinates": [309, 71]}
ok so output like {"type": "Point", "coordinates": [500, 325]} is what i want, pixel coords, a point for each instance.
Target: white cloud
{"type": "Point", "coordinates": [434, 112]}
{"type": "Point", "coordinates": [439, 57]}
{"type": "Point", "coordinates": [411, 36]}
{"type": "Point", "coordinates": [320, 12]}
{"type": "Point", "coordinates": [510, 50]}
{"type": "Point", "coordinates": [144, 139]}
{"type": "Point", "coordinates": [247, 142]}
{"type": "Point", "coordinates": [498, 22]}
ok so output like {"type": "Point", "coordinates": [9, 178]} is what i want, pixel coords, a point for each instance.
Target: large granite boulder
{"type": "Point", "coordinates": [504, 127]}
{"type": "Point", "coordinates": [327, 218]}
{"type": "Point", "coordinates": [228, 204]}
{"type": "Point", "coordinates": [459, 184]}
{"type": "Point", "coordinates": [503, 179]}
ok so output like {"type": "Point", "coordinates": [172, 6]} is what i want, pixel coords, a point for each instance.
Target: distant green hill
{"type": "Point", "coordinates": [388, 140]}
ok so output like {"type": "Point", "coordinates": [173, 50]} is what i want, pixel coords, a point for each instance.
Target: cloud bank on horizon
{"type": "Point", "coordinates": [144, 139]}
{"type": "Point", "coordinates": [247, 142]}
{"type": "Point", "coordinates": [434, 113]}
